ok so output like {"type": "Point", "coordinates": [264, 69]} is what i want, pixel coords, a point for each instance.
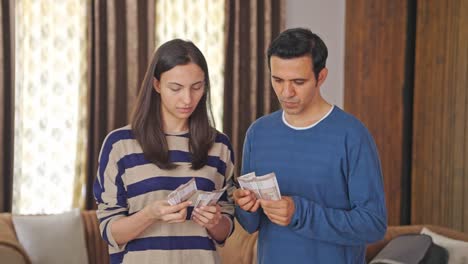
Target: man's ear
{"type": "Point", "coordinates": [322, 76]}
{"type": "Point", "coordinates": [156, 85]}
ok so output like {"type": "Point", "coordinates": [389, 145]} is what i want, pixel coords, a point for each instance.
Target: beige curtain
{"type": "Point", "coordinates": [250, 27]}
{"type": "Point", "coordinates": [121, 35]}
{"type": "Point", "coordinates": [7, 88]}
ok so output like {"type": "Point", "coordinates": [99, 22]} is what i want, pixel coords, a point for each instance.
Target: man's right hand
{"type": "Point", "coordinates": [246, 200]}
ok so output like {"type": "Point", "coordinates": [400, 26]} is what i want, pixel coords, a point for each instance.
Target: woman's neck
{"type": "Point", "coordinates": [175, 126]}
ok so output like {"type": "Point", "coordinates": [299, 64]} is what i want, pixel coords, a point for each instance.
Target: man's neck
{"type": "Point", "coordinates": [309, 117]}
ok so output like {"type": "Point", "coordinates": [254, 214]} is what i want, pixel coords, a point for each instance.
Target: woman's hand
{"type": "Point", "coordinates": [207, 216]}
{"type": "Point", "coordinates": [161, 210]}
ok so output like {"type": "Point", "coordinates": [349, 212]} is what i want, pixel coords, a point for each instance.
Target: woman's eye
{"type": "Point", "coordinates": [175, 88]}
{"type": "Point", "coordinates": [197, 87]}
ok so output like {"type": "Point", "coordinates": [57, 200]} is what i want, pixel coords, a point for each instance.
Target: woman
{"type": "Point", "coordinates": [169, 142]}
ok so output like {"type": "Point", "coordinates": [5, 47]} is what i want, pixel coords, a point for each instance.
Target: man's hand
{"type": "Point", "coordinates": [161, 210]}
{"type": "Point", "coordinates": [279, 212]}
{"type": "Point", "coordinates": [246, 200]}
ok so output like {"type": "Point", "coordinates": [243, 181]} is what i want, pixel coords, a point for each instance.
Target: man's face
{"type": "Point", "coordinates": [294, 83]}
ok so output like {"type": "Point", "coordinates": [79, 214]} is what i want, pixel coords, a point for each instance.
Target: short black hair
{"type": "Point", "coordinates": [297, 42]}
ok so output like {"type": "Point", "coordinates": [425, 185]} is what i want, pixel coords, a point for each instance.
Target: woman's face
{"type": "Point", "coordinates": [181, 88]}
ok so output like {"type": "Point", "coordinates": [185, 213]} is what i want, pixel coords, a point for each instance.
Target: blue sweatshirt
{"type": "Point", "coordinates": [332, 171]}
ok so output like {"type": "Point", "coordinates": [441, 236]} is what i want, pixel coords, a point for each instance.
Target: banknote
{"type": "Point", "coordinates": [264, 187]}
{"type": "Point", "coordinates": [209, 198]}
{"type": "Point", "coordinates": [182, 193]}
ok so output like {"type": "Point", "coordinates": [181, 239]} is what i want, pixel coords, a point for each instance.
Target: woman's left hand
{"type": "Point", "coordinates": [207, 216]}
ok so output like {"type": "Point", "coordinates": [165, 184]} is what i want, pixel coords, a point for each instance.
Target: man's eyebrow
{"type": "Point", "coordinates": [296, 79]}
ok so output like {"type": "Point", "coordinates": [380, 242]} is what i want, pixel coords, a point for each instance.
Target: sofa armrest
{"type": "Point", "coordinates": [11, 255]}
{"type": "Point", "coordinates": [98, 251]}
{"type": "Point", "coordinates": [11, 251]}
{"type": "Point", "coordinates": [240, 247]}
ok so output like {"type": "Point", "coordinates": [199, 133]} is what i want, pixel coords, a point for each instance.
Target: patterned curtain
{"type": "Point", "coordinates": [247, 90]}
{"type": "Point", "coordinates": [50, 38]}
{"type": "Point", "coordinates": [7, 59]}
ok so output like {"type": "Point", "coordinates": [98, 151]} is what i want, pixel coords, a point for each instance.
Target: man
{"type": "Point", "coordinates": [325, 161]}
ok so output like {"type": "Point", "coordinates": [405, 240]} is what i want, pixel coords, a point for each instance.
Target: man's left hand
{"type": "Point", "coordinates": [279, 212]}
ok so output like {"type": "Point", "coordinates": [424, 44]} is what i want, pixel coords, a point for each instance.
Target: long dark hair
{"type": "Point", "coordinates": [147, 117]}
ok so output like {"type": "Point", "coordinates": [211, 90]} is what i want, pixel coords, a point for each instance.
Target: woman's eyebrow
{"type": "Point", "coordinates": [178, 84]}
{"type": "Point", "coordinates": [197, 82]}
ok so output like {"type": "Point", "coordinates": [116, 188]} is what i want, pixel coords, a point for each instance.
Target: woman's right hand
{"type": "Point", "coordinates": [161, 210]}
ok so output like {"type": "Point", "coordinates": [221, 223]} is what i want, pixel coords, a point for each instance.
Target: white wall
{"type": "Point", "coordinates": [326, 18]}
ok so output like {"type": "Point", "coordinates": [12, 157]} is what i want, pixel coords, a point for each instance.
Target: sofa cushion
{"type": "Point", "coordinates": [52, 238]}
{"type": "Point", "coordinates": [409, 248]}
{"type": "Point", "coordinates": [457, 250]}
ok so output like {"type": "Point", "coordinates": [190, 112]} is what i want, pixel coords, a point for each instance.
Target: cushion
{"type": "Point", "coordinates": [52, 238]}
{"type": "Point", "coordinates": [457, 250]}
{"type": "Point", "coordinates": [408, 248]}
{"type": "Point", "coordinates": [436, 255]}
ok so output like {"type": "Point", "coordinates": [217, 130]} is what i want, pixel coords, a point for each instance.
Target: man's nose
{"type": "Point", "coordinates": [288, 89]}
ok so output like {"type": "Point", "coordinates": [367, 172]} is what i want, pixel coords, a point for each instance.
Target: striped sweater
{"type": "Point", "coordinates": [126, 182]}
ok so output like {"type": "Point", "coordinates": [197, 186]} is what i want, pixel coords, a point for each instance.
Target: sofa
{"type": "Point", "coordinates": [239, 248]}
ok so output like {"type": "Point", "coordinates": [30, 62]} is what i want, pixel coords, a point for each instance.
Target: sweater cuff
{"type": "Point", "coordinates": [296, 218]}
{"type": "Point", "coordinates": [109, 238]}
{"type": "Point", "coordinates": [246, 213]}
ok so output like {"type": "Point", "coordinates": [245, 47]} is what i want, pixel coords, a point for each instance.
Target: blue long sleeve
{"type": "Point", "coordinates": [366, 221]}
{"type": "Point", "coordinates": [249, 221]}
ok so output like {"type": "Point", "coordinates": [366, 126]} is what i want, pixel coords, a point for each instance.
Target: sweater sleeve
{"type": "Point", "coordinates": [249, 221]}
{"type": "Point", "coordinates": [366, 220]}
{"type": "Point", "coordinates": [226, 201]}
{"type": "Point", "coordinates": [109, 190]}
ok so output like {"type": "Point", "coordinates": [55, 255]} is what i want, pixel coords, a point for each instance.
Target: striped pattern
{"type": "Point", "coordinates": [127, 182]}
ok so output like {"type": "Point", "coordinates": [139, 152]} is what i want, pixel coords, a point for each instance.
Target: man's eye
{"type": "Point", "coordinates": [299, 82]}
{"type": "Point", "coordinates": [277, 80]}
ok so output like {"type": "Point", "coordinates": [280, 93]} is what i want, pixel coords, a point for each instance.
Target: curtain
{"type": "Point", "coordinates": [7, 87]}
{"type": "Point", "coordinates": [50, 37]}
{"type": "Point", "coordinates": [250, 27]}
{"type": "Point", "coordinates": [121, 35]}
